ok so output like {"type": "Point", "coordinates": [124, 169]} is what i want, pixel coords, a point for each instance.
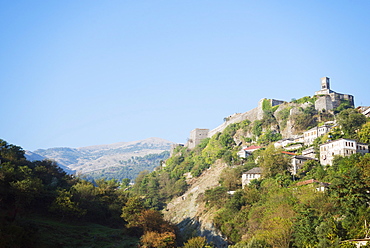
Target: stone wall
{"type": "Point", "coordinates": [196, 136]}
{"type": "Point", "coordinates": [235, 118]}
{"type": "Point", "coordinates": [252, 115]}
{"type": "Point", "coordinates": [324, 102]}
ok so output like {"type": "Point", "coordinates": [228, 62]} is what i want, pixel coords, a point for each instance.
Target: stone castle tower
{"type": "Point", "coordinates": [196, 136]}
{"type": "Point", "coordinates": [325, 83]}
{"type": "Point", "coordinates": [329, 99]}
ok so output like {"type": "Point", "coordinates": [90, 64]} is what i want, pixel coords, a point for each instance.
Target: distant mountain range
{"type": "Point", "coordinates": [92, 159]}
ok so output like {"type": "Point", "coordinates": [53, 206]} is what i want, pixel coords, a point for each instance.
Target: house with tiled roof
{"type": "Point", "coordinates": [310, 135]}
{"type": "Point", "coordinates": [250, 175]}
{"type": "Point", "coordinates": [297, 162]}
{"type": "Point", "coordinates": [288, 153]}
{"type": "Point", "coordinates": [320, 186]}
{"type": "Point", "coordinates": [247, 151]}
{"type": "Point", "coordinates": [340, 147]}
{"type": "Point", "coordinates": [365, 110]}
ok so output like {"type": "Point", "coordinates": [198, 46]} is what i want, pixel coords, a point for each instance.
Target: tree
{"type": "Point", "coordinates": [257, 128]}
{"type": "Point", "coordinates": [158, 240]}
{"type": "Point", "coordinates": [152, 221]}
{"type": "Point", "coordinates": [273, 162]}
{"type": "Point", "coordinates": [216, 196]}
{"type": "Point", "coordinates": [131, 211]}
{"type": "Point", "coordinates": [65, 206]}
{"type": "Point", "coordinates": [364, 133]}
{"type": "Point", "coordinates": [350, 121]}
{"type": "Point", "coordinates": [196, 242]}
{"type": "Point", "coordinates": [10, 152]}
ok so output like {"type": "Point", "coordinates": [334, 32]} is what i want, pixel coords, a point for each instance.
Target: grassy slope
{"type": "Point", "coordinates": [52, 233]}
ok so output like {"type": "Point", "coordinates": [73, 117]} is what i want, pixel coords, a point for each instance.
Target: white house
{"type": "Point", "coordinates": [365, 110]}
{"type": "Point", "coordinates": [341, 147]}
{"type": "Point", "coordinates": [283, 143]}
{"type": "Point", "coordinates": [245, 152]}
{"type": "Point", "coordinates": [309, 152]}
{"type": "Point", "coordinates": [250, 175]}
{"type": "Point", "coordinates": [310, 135]}
{"type": "Point", "coordinates": [297, 163]}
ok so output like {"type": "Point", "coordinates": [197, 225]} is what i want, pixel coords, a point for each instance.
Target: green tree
{"type": "Point", "coordinates": [364, 133]}
{"type": "Point", "coordinates": [131, 211]}
{"type": "Point", "coordinates": [350, 121]}
{"type": "Point", "coordinates": [65, 206]}
{"type": "Point", "coordinates": [273, 162]}
{"type": "Point", "coordinates": [257, 128]}
{"type": "Point", "coordinates": [197, 242]}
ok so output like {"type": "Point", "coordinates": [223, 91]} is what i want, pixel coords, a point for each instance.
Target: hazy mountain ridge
{"type": "Point", "coordinates": [98, 157]}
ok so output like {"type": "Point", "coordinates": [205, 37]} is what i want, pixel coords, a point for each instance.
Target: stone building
{"type": "Point", "coordinates": [328, 99]}
{"type": "Point", "coordinates": [309, 152]}
{"type": "Point", "coordinates": [310, 135]}
{"type": "Point", "coordinates": [250, 175]}
{"type": "Point", "coordinates": [173, 147]}
{"type": "Point", "coordinates": [297, 162]}
{"type": "Point", "coordinates": [196, 136]}
{"type": "Point", "coordinates": [247, 151]}
{"type": "Point", "coordinates": [365, 110]}
{"type": "Point", "coordinates": [341, 147]}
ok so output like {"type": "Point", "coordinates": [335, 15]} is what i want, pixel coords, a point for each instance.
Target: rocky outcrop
{"type": "Point", "coordinates": [188, 212]}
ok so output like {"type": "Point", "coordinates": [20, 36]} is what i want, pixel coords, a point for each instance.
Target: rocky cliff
{"type": "Point", "coordinates": [190, 214]}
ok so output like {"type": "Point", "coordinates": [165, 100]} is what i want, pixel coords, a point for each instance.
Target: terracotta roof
{"type": "Point", "coordinates": [307, 182]}
{"type": "Point", "coordinates": [312, 181]}
{"type": "Point", "coordinates": [252, 148]}
{"type": "Point", "coordinates": [289, 153]}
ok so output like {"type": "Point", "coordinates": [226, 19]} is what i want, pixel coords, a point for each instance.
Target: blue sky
{"type": "Point", "coordinates": [80, 73]}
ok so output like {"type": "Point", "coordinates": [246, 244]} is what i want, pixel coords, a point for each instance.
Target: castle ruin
{"type": "Point", "coordinates": [328, 99]}
{"type": "Point", "coordinates": [196, 136]}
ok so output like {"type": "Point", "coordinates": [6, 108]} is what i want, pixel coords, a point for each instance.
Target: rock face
{"type": "Point", "coordinates": [91, 158]}
{"type": "Point", "coordinates": [258, 113]}
{"type": "Point", "coordinates": [189, 213]}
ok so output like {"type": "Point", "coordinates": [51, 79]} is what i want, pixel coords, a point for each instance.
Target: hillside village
{"type": "Point", "coordinates": [303, 143]}
{"type": "Point", "coordinates": [326, 100]}
{"type": "Point", "coordinates": [285, 174]}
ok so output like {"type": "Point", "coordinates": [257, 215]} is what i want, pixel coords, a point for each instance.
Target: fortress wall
{"type": "Point", "coordinates": [324, 102]}
{"type": "Point", "coordinates": [250, 115]}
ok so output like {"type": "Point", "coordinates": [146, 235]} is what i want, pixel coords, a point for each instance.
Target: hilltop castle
{"type": "Point", "coordinates": [329, 99]}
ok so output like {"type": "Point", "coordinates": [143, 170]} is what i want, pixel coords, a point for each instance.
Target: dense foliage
{"type": "Point", "coordinates": [41, 188]}
{"type": "Point", "coordinates": [277, 212]}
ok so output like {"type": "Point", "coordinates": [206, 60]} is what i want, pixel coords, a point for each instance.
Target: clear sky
{"type": "Point", "coordinates": [79, 73]}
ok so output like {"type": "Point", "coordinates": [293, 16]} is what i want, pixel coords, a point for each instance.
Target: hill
{"type": "Point", "coordinates": [97, 160]}
{"type": "Point", "coordinates": [206, 197]}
